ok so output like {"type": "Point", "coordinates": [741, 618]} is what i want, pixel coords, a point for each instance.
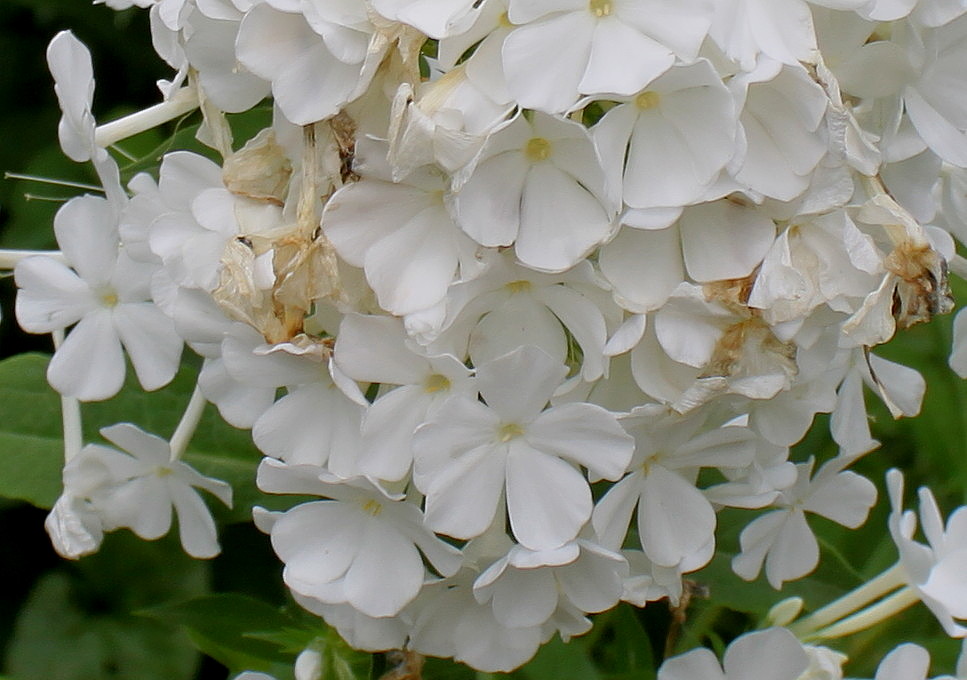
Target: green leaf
{"type": "Point", "coordinates": [31, 446]}
{"type": "Point", "coordinates": [228, 626]}
{"type": "Point", "coordinates": [560, 661]}
{"type": "Point", "coordinates": [622, 648]}
{"type": "Point", "coordinates": [77, 625]}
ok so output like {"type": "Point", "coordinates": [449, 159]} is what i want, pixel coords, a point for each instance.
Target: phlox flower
{"type": "Point", "coordinates": [106, 295]}
{"type": "Point", "coordinates": [773, 654]}
{"type": "Point", "coordinates": [138, 486]}
{"type": "Point", "coordinates": [469, 456]}
{"type": "Point", "coordinates": [934, 570]}
{"type": "Point", "coordinates": [337, 551]}
{"type": "Point", "coordinates": [538, 185]}
{"type": "Point", "coordinates": [526, 587]}
{"type": "Point", "coordinates": [674, 518]}
{"type": "Point", "coordinates": [375, 349]}
{"type": "Point", "coordinates": [563, 49]}
{"type": "Point", "coordinates": [782, 538]}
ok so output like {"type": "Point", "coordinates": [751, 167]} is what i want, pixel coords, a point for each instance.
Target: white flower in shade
{"type": "Point", "coordinates": [674, 518]}
{"type": "Point", "coordinates": [436, 18]}
{"type": "Point", "coordinates": [210, 49]}
{"type": "Point", "coordinates": [509, 306]}
{"type": "Point", "coordinates": [724, 239]}
{"type": "Point", "coordinates": [817, 260]}
{"type": "Point", "coordinates": [470, 455]}
{"type": "Point", "coordinates": [402, 236]}
{"type": "Point", "coordinates": [905, 662]}
{"type": "Point", "coordinates": [526, 587]}
{"type": "Point", "coordinates": [70, 65]}
{"type": "Point", "coordinates": [782, 109]}
{"type": "Point", "coordinates": [375, 349]}
{"type": "Point", "coordinates": [561, 50]}
{"type": "Point", "coordinates": [200, 217]}
{"type": "Point", "coordinates": [539, 186]}
{"type": "Point", "coordinates": [449, 622]}
{"type": "Point", "coordinates": [313, 53]}
{"type": "Point", "coordinates": [139, 486]}
{"type": "Point", "coordinates": [667, 143]}
{"type": "Point", "coordinates": [773, 654]}
{"type": "Point", "coordinates": [74, 527]}
{"type": "Point", "coordinates": [337, 551]}
{"type": "Point", "coordinates": [782, 538]}
{"type": "Point", "coordinates": [106, 295]}
{"type": "Point", "coordinates": [935, 570]}
{"type": "Point", "coordinates": [781, 29]}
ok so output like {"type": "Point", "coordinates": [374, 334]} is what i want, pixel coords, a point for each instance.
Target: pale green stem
{"type": "Point", "coordinates": [180, 103]}
{"type": "Point", "coordinates": [889, 580]}
{"type": "Point", "coordinates": [869, 617]}
{"type": "Point", "coordinates": [10, 258]}
{"type": "Point", "coordinates": [188, 424]}
{"type": "Point", "coordinates": [70, 410]}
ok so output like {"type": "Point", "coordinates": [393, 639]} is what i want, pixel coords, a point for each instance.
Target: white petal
{"type": "Point", "coordinates": [518, 385]}
{"type": "Point", "coordinates": [548, 500]}
{"type": "Point", "coordinates": [585, 434]}
{"type": "Point", "coordinates": [51, 296]}
{"type": "Point", "coordinates": [90, 363]}
{"type": "Point", "coordinates": [151, 342]}
{"type": "Point", "coordinates": [560, 220]}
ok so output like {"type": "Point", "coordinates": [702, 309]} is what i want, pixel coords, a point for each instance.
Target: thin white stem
{"type": "Point", "coordinates": [871, 616]}
{"type": "Point", "coordinates": [70, 410]}
{"type": "Point", "coordinates": [188, 424]}
{"type": "Point", "coordinates": [51, 180]}
{"type": "Point", "coordinates": [10, 258]}
{"type": "Point", "coordinates": [872, 590]}
{"type": "Point", "coordinates": [180, 103]}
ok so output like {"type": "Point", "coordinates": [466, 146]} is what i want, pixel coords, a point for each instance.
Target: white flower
{"type": "Point", "coordinates": [469, 455]}
{"type": "Point", "coordinates": [670, 141]}
{"type": "Point", "coordinates": [106, 295]}
{"type": "Point", "coordinates": [539, 186]}
{"type": "Point", "coordinates": [138, 486]}
{"type": "Point", "coordinates": [675, 520]}
{"type": "Point", "coordinates": [782, 538]}
{"type": "Point", "coordinates": [336, 551]}
{"type": "Point", "coordinates": [773, 654]}
{"type": "Point", "coordinates": [402, 236]}
{"type": "Point", "coordinates": [935, 571]}
{"type": "Point", "coordinates": [526, 587]}
{"type": "Point", "coordinates": [374, 349]}
{"type": "Point", "coordinates": [564, 49]}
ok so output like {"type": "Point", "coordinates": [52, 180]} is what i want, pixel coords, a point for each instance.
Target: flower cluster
{"type": "Point", "coordinates": [543, 286]}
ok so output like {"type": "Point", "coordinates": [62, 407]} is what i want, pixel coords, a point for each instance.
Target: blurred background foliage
{"type": "Point", "coordinates": [141, 610]}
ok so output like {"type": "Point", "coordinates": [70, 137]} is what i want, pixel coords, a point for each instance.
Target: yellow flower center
{"type": "Point", "coordinates": [372, 507]}
{"type": "Point", "coordinates": [518, 286]}
{"type": "Point", "coordinates": [436, 383]}
{"type": "Point", "coordinates": [601, 8]}
{"type": "Point", "coordinates": [108, 297]}
{"type": "Point", "coordinates": [647, 100]}
{"type": "Point", "coordinates": [508, 432]}
{"type": "Point", "coordinates": [504, 21]}
{"type": "Point", "coordinates": [537, 149]}
{"type": "Point", "coordinates": [163, 471]}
